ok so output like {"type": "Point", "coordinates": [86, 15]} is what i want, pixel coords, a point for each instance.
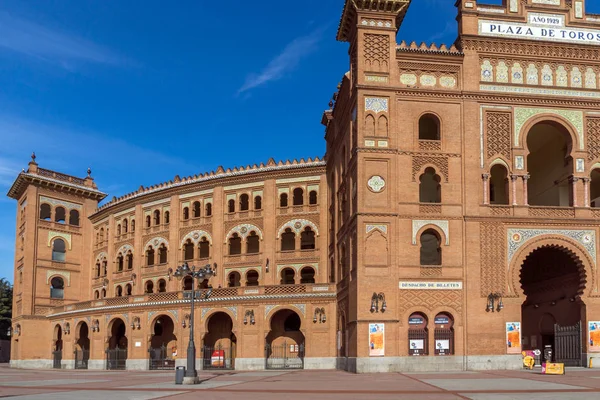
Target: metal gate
{"type": "Point", "coordinates": [159, 360]}
{"type": "Point", "coordinates": [285, 356]}
{"type": "Point", "coordinates": [81, 358]}
{"type": "Point", "coordinates": [567, 345]}
{"type": "Point", "coordinates": [116, 359]}
{"type": "Point", "coordinates": [218, 357]}
{"type": "Point", "coordinates": [57, 359]}
{"type": "Point", "coordinates": [444, 342]}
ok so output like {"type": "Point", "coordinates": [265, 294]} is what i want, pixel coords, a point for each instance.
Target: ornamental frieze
{"type": "Point", "coordinates": [516, 238]}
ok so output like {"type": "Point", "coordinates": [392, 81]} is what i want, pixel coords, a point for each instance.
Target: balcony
{"type": "Point", "coordinates": [303, 209]}
{"type": "Point", "coordinates": [239, 215]}
{"type": "Point", "coordinates": [195, 221]}
{"type": "Point", "coordinates": [300, 254]}
{"type": "Point", "coordinates": [243, 258]}
{"type": "Point", "coordinates": [555, 212]}
{"type": "Point", "coordinates": [225, 295]}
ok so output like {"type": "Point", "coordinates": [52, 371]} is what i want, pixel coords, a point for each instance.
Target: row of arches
{"type": "Point", "coordinates": [196, 211]}
{"type": "Point", "coordinates": [155, 219]}
{"type": "Point", "coordinates": [428, 126]}
{"type": "Point", "coordinates": [288, 277]}
{"type": "Point", "coordinates": [59, 213]}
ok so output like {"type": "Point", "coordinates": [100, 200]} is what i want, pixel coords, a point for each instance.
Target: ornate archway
{"type": "Point", "coordinates": [284, 348]}
{"type": "Point", "coordinates": [219, 343]}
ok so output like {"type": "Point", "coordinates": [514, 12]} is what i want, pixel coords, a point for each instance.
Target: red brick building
{"type": "Point", "coordinates": [452, 226]}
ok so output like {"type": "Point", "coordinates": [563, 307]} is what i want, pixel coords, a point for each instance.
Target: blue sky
{"type": "Point", "coordinates": [142, 93]}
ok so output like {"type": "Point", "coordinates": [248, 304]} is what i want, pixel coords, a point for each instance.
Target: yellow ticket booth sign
{"type": "Point", "coordinates": [553, 368]}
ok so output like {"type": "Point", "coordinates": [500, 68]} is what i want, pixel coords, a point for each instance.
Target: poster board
{"type": "Point", "coordinates": [594, 335]}
{"type": "Point", "coordinates": [376, 340]}
{"type": "Point", "coordinates": [513, 338]}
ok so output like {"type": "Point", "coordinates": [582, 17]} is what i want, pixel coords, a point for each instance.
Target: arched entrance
{"type": "Point", "coordinates": [284, 347]}
{"type": "Point", "coordinates": [57, 347]}
{"type": "Point", "coordinates": [116, 354]}
{"type": "Point", "coordinates": [219, 342]}
{"type": "Point", "coordinates": [163, 344]}
{"type": "Point", "coordinates": [82, 346]}
{"type": "Point", "coordinates": [553, 279]}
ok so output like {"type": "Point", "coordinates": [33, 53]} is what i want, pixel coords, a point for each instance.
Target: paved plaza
{"type": "Point", "coordinates": [266, 385]}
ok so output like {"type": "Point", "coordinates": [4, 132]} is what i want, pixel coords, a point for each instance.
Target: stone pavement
{"type": "Point", "coordinates": [291, 385]}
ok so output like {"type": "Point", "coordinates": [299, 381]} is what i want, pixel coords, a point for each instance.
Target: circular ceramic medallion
{"type": "Point", "coordinates": [244, 229]}
{"type": "Point", "coordinates": [298, 225]}
{"type": "Point", "coordinates": [196, 235]}
{"type": "Point", "coordinates": [156, 241]}
{"type": "Point", "coordinates": [516, 237]}
{"type": "Point", "coordinates": [587, 238]}
{"type": "Point", "coordinates": [376, 183]}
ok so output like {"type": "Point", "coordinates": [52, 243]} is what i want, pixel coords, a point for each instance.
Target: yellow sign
{"type": "Point", "coordinates": [528, 362]}
{"type": "Point", "coordinates": [553, 368]}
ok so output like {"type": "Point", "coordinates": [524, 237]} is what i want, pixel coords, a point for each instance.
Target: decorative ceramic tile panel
{"type": "Point", "coordinates": [427, 80]}
{"type": "Point", "coordinates": [561, 76]}
{"type": "Point", "coordinates": [578, 9]}
{"type": "Point", "coordinates": [124, 249]}
{"type": "Point", "coordinates": [376, 183]}
{"type": "Point", "coordinates": [243, 230]}
{"type": "Point", "coordinates": [62, 235]}
{"type": "Point", "coordinates": [382, 228]}
{"type": "Point", "coordinates": [448, 81]}
{"type": "Point", "coordinates": [301, 307]}
{"type": "Point", "coordinates": [549, 2]}
{"type": "Point", "coordinates": [514, 6]}
{"type": "Point", "coordinates": [522, 115]}
{"type": "Point", "coordinates": [408, 79]}
{"type": "Point", "coordinates": [269, 308]}
{"type": "Point", "coordinates": [418, 224]}
{"type": "Point", "coordinates": [382, 143]}
{"type": "Point", "coordinates": [532, 75]}
{"type": "Point", "coordinates": [519, 162]}
{"type": "Point", "coordinates": [53, 272]}
{"type": "Point", "coordinates": [576, 79]}
{"type": "Point", "coordinates": [196, 236]}
{"type": "Point", "coordinates": [516, 73]}
{"type": "Point", "coordinates": [590, 79]}
{"type": "Point", "coordinates": [233, 311]}
{"type": "Point", "coordinates": [486, 71]}
{"type": "Point", "coordinates": [156, 242]}
{"type": "Point", "coordinates": [55, 202]}
{"type": "Point", "coordinates": [541, 91]}
{"type": "Point", "coordinates": [580, 165]}
{"type": "Point", "coordinates": [501, 72]}
{"type": "Point", "coordinates": [518, 237]}
{"type": "Point", "coordinates": [376, 104]}
{"type": "Point", "coordinates": [547, 79]}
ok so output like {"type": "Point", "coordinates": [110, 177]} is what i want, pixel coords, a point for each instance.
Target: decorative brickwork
{"type": "Point", "coordinates": [377, 52]}
{"type": "Point", "coordinates": [493, 259]}
{"type": "Point", "coordinates": [429, 300]}
{"type": "Point", "coordinates": [593, 138]}
{"type": "Point", "coordinates": [440, 162]}
{"type": "Point", "coordinates": [498, 134]}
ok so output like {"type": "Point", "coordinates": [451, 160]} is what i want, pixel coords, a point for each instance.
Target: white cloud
{"type": "Point", "coordinates": [284, 62]}
{"type": "Point", "coordinates": [51, 45]}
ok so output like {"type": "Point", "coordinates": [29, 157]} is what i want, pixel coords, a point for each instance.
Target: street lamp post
{"type": "Point", "coordinates": [191, 375]}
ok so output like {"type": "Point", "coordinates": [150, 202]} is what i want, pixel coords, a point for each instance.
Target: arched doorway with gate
{"type": "Point", "coordinates": [57, 347]}
{"type": "Point", "coordinates": [553, 279]}
{"type": "Point", "coordinates": [116, 354]}
{"type": "Point", "coordinates": [82, 346]}
{"type": "Point", "coordinates": [284, 347]}
{"type": "Point", "coordinates": [162, 350]}
{"type": "Point", "coordinates": [219, 344]}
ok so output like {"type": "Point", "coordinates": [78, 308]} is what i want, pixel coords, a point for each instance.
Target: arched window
{"type": "Point", "coordinates": [283, 200]}
{"type": "Point", "coordinates": [45, 212]}
{"type": "Point", "coordinates": [208, 211]}
{"type": "Point", "coordinates": [298, 197]}
{"type": "Point", "coordinates": [307, 275]}
{"type": "Point", "coordinates": [148, 221]}
{"type": "Point", "coordinates": [231, 206]}
{"type": "Point", "coordinates": [74, 217]}
{"type": "Point", "coordinates": [119, 291]}
{"type": "Point", "coordinates": [128, 289]}
{"type": "Point", "coordinates": [233, 279]}
{"type": "Point", "coordinates": [418, 335]}
{"type": "Point", "coordinates": [150, 256]}
{"type": "Point", "coordinates": [124, 226]}
{"type": "Point", "coordinates": [252, 243]}
{"type": "Point", "coordinates": [307, 239]}
{"type": "Point", "coordinates": [186, 213]}
{"type": "Point", "coordinates": [96, 294]}
{"type": "Point", "coordinates": [312, 197]}
{"type": "Point", "coordinates": [57, 288]}
{"type": "Point", "coordinates": [104, 267]}
{"type": "Point", "coordinates": [102, 234]}
{"type": "Point", "coordinates": [196, 209]}
{"type": "Point", "coordinates": [188, 283]}
{"type": "Point", "coordinates": [244, 202]}
{"type": "Point", "coordinates": [120, 263]}
{"type": "Point", "coordinates": [595, 188]}
{"type": "Point", "coordinates": [103, 293]}
{"type": "Point", "coordinates": [204, 247]}
{"type": "Point", "coordinates": [430, 189]}
{"type": "Point", "coordinates": [498, 185]}
{"type": "Point", "coordinates": [431, 251]}
{"type": "Point", "coordinates": [444, 334]}
{"type": "Point", "coordinates": [167, 217]}
{"type": "Point", "coordinates": [97, 269]}
{"type": "Point", "coordinates": [156, 217]}
{"type": "Point", "coordinates": [162, 286]}
{"type": "Point", "coordinates": [162, 254]}
{"type": "Point", "coordinates": [288, 276]}
{"type": "Point", "coordinates": [129, 260]}
{"type": "Point", "coordinates": [59, 250]}
{"type": "Point", "coordinates": [288, 240]}
{"type": "Point", "coordinates": [133, 225]}
{"type": "Point", "coordinates": [188, 250]}
{"type": "Point", "coordinates": [149, 287]}
{"type": "Point", "coordinates": [60, 215]}
{"type": "Point", "coordinates": [118, 229]}
{"type": "Point", "coordinates": [258, 203]}
{"type": "Point", "coordinates": [429, 127]}
{"type": "Point", "coordinates": [235, 245]}
{"type": "Point", "coordinates": [252, 278]}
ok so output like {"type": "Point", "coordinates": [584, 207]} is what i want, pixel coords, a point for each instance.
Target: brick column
{"type": "Point", "coordinates": [574, 180]}
{"type": "Point", "coordinates": [513, 179]}
{"type": "Point", "coordinates": [586, 192]}
{"type": "Point", "coordinates": [486, 194]}
{"type": "Point", "coordinates": [525, 198]}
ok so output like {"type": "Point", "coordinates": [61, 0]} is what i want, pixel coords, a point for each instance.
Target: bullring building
{"type": "Point", "coordinates": [452, 224]}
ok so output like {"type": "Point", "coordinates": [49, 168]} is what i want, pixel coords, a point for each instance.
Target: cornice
{"type": "Point", "coordinates": [26, 178]}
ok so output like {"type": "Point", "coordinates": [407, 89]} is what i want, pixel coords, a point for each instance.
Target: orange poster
{"type": "Point", "coordinates": [376, 340]}
{"type": "Point", "coordinates": [513, 337]}
{"type": "Point", "coordinates": [594, 332]}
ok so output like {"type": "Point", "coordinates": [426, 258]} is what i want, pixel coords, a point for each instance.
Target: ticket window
{"type": "Point", "coordinates": [418, 335]}
{"type": "Point", "coordinates": [444, 334]}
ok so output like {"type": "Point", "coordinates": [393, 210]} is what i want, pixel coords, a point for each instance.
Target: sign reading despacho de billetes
{"type": "Point", "coordinates": [535, 32]}
{"type": "Point", "coordinates": [431, 285]}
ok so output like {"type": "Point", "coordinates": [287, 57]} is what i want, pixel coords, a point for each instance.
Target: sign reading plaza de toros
{"type": "Point", "coordinates": [540, 27]}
